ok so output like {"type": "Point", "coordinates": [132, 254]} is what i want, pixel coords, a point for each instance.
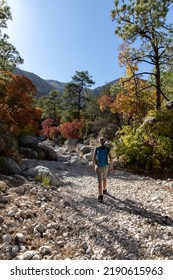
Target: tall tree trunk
{"type": "Point", "coordinates": [158, 87]}
{"type": "Point", "coordinates": [79, 101]}
{"type": "Point", "coordinates": [79, 105]}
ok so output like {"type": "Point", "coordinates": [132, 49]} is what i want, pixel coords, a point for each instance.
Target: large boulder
{"type": "Point", "coordinates": [84, 149]}
{"type": "Point", "coordinates": [50, 143]}
{"type": "Point", "coordinates": [88, 157]}
{"type": "Point", "coordinates": [9, 166]}
{"type": "Point", "coordinates": [28, 153]}
{"type": "Point", "coordinates": [71, 144]}
{"type": "Point", "coordinates": [49, 152]}
{"type": "Point", "coordinates": [28, 141]}
{"type": "Point", "coordinates": [40, 173]}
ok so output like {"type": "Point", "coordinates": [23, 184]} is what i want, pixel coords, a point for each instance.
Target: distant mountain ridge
{"type": "Point", "coordinates": [56, 84]}
{"type": "Point", "coordinates": [43, 87]}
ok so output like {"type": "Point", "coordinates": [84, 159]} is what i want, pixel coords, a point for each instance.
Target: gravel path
{"type": "Point", "coordinates": [134, 222]}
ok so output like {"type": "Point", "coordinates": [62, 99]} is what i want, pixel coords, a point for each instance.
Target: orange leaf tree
{"type": "Point", "coordinates": [133, 99]}
{"type": "Point", "coordinates": [16, 103]}
{"type": "Point", "coordinates": [104, 102]}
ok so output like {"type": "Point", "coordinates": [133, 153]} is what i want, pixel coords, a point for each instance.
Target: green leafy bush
{"type": "Point", "coordinates": [147, 146]}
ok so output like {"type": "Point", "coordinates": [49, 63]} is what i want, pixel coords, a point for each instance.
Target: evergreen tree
{"type": "Point", "coordinates": [144, 21]}
{"type": "Point", "coordinates": [52, 105]}
{"type": "Point", "coordinates": [9, 56]}
{"type": "Point", "coordinates": [76, 91]}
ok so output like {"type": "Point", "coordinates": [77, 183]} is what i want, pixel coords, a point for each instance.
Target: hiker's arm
{"type": "Point", "coordinates": [111, 160]}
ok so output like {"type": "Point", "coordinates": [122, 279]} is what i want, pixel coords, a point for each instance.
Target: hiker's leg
{"type": "Point", "coordinates": [100, 188]}
{"type": "Point", "coordinates": [99, 177]}
{"type": "Point", "coordinates": [105, 174]}
{"type": "Point", "coordinates": [104, 184]}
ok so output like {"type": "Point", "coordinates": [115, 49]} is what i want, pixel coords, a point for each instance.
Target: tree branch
{"type": "Point", "coordinates": [138, 74]}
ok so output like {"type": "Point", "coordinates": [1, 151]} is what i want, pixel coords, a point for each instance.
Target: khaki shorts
{"type": "Point", "coordinates": [102, 172]}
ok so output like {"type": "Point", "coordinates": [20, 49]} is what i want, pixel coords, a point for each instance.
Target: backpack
{"type": "Point", "coordinates": [102, 156]}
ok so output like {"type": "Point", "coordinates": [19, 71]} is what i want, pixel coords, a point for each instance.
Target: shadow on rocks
{"type": "Point", "coordinates": [128, 247]}
{"type": "Point", "coordinates": [135, 208]}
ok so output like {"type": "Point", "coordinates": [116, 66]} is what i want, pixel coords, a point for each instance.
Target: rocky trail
{"type": "Point", "coordinates": [67, 222]}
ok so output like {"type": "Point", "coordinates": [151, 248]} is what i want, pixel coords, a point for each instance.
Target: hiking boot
{"type": "Point", "coordinates": [100, 198]}
{"type": "Point", "coordinates": [105, 191]}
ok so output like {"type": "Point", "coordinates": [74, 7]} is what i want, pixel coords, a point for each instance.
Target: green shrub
{"type": "Point", "coordinates": [149, 146]}
{"type": "Point", "coordinates": [46, 181]}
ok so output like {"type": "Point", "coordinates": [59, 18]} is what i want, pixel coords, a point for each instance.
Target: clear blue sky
{"type": "Point", "coordinates": [58, 37]}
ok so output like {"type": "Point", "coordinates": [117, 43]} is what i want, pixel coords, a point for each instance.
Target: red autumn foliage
{"type": "Point", "coordinates": [72, 129]}
{"type": "Point", "coordinates": [33, 115]}
{"type": "Point", "coordinates": [48, 128]}
{"type": "Point", "coordinates": [104, 101]}
{"type": "Point", "coordinates": [16, 104]}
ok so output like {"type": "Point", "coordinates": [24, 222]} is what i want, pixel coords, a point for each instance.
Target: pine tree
{"type": "Point", "coordinates": [76, 91]}
{"type": "Point", "coordinates": [145, 22]}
